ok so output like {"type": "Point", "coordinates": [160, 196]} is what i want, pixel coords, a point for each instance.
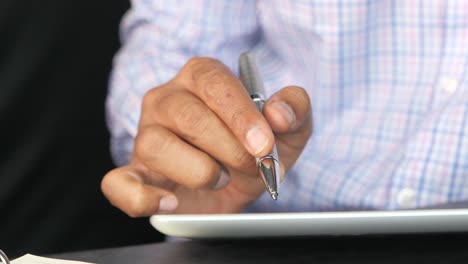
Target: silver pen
{"type": "Point", "coordinates": [268, 166]}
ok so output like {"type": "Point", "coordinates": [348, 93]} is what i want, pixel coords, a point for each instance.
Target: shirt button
{"type": "Point", "coordinates": [448, 85]}
{"type": "Point", "coordinates": [406, 198]}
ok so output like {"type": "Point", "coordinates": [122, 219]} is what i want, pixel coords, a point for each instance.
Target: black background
{"type": "Point", "coordinates": [55, 58]}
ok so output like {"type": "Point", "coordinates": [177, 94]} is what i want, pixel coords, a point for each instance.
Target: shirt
{"type": "Point", "coordinates": [387, 80]}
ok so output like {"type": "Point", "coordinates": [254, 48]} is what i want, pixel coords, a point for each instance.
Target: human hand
{"type": "Point", "coordinates": [197, 141]}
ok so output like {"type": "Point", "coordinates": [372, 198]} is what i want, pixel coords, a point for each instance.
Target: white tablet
{"type": "Point", "coordinates": [310, 224]}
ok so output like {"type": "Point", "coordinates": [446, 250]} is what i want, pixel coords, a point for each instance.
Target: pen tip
{"type": "Point", "coordinates": [274, 195]}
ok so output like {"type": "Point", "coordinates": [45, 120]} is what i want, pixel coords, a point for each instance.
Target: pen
{"type": "Point", "coordinates": [268, 166]}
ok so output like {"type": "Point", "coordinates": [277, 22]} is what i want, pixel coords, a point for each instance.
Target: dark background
{"type": "Point", "coordinates": [55, 58]}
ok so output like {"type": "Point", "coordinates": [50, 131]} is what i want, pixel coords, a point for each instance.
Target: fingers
{"type": "Point", "coordinates": [221, 91]}
{"type": "Point", "coordinates": [124, 188]}
{"type": "Point", "coordinates": [189, 118]}
{"type": "Point", "coordinates": [207, 106]}
{"type": "Point", "coordinates": [196, 130]}
{"type": "Point", "coordinates": [164, 153]}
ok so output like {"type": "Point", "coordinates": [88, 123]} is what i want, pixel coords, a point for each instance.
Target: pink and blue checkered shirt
{"type": "Point", "coordinates": [388, 82]}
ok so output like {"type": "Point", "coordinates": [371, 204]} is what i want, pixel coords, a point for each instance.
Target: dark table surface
{"type": "Point", "coordinates": [422, 248]}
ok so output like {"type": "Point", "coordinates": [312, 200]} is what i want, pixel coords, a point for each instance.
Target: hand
{"type": "Point", "coordinates": [197, 141]}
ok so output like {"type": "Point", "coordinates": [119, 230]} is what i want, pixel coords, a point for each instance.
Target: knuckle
{"type": "Point", "coordinates": [165, 104]}
{"type": "Point", "coordinates": [149, 97]}
{"type": "Point", "coordinates": [238, 119]}
{"type": "Point", "coordinates": [242, 159]}
{"type": "Point", "coordinates": [155, 96]}
{"type": "Point", "coordinates": [192, 119]}
{"type": "Point", "coordinates": [200, 63]}
{"type": "Point", "coordinates": [209, 75]}
{"type": "Point", "coordinates": [216, 89]}
{"type": "Point", "coordinates": [153, 104]}
{"type": "Point", "coordinates": [205, 177]}
{"type": "Point", "coordinates": [151, 142]}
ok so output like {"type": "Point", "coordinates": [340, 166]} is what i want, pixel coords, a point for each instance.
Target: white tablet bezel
{"type": "Point", "coordinates": [310, 224]}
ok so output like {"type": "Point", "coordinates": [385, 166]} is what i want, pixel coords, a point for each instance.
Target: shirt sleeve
{"type": "Point", "coordinates": [158, 38]}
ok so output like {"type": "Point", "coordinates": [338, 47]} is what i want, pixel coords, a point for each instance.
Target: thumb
{"type": "Point", "coordinates": [289, 114]}
{"type": "Point", "coordinates": [125, 188]}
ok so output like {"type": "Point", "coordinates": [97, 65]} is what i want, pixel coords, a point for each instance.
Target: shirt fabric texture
{"type": "Point", "coordinates": [387, 80]}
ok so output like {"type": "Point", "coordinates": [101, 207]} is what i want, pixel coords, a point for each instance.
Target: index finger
{"type": "Point", "coordinates": [222, 91]}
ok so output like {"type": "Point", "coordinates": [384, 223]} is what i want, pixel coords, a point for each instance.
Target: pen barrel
{"type": "Point", "coordinates": [250, 75]}
{"type": "Point", "coordinates": [268, 166]}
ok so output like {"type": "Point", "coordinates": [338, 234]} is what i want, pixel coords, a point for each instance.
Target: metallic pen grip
{"type": "Point", "coordinates": [259, 103]}
{"type": "Point", "coordinates": [269, 169]}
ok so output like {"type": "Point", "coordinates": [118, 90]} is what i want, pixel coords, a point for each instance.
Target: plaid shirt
{"type": "Point", "coordinates": [388, 82]}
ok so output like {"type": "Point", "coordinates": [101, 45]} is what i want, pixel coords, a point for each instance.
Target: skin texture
{"type": "Point", "coordinates": [197, 141]}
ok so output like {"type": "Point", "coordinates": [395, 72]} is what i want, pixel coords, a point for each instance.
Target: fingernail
{"type": "Point", "coordinates": [256, 140]}
{"type": "Point", "coordinates": [285, 110]}
{"type": "Point", "coordinates": [168, 203]}
{"type": "Point", "coordinates": [223, 180]}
